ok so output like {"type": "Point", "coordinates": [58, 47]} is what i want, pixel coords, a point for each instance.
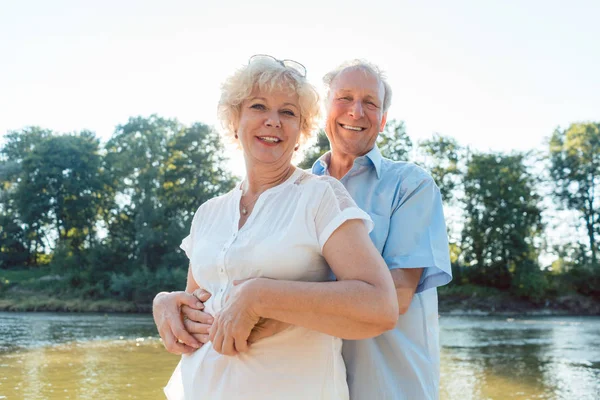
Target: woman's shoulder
{"type": "Point", "coordinates": [317, 187]}
{"type": "Point", "coordinates": [216, 202]}
{"type": "Point", "coordinates": [310, 180]}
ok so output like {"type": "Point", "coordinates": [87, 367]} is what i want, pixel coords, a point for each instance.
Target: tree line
{"type": "Point", "coordinates": [107, 219]}
{"type": "Point", "coordinates": [501, 198]}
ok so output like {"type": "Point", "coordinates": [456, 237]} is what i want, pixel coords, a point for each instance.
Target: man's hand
{"type": "Point", "coordinates": [233, 324]}
{"type": "Point", "coordinates": [166, 309]}
{"type": "Point", "coordinates": [266, 327]}
{"type": "Point", "coordinates": [197, 322]}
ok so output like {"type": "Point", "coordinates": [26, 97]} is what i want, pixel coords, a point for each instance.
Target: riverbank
{"type": "Point", "coordinates": [453, 300]}
{"type": "Point", "coordinates": [480, 300]}
{"type": "Point", "coordinates": [40, 290]}
{"type": "Point", "coordinates": [35, 302]}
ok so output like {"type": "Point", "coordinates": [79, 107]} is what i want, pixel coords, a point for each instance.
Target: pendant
{"type": "Point", "coordinates": [244, 211]}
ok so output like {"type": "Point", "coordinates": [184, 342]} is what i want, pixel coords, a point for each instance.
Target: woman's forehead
{"type": "Point", "coordinates": [275, 94]}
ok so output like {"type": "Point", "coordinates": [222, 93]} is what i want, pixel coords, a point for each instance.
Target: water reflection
{"type": "Point", "coordinates": [543, 358]}
{"type": "Point", "coordinates": [96, 370]}
{"type": "Point", "coordinates": [75, 356]}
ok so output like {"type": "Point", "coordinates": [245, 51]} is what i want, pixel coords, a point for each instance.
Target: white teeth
{"type": "Point", "coordinates": [269, 139]}
{"type": "Point", "coordinates": [352, 128]}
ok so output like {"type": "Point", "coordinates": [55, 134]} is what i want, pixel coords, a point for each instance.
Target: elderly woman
{"type": "Point", "coordinates": [268, 248]}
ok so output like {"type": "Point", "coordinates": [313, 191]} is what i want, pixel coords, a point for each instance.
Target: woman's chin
{"type": "Point", "coordinates": [270, 157]}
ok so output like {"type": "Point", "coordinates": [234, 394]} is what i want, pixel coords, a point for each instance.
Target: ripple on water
{"type": "Point", "coordinates": [58, 356]}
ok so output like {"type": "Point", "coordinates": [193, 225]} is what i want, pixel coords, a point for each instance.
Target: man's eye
{"type": "Point", "coordinates": [258, 106]}
{"type": "Point", "coordinates": [345, 98]}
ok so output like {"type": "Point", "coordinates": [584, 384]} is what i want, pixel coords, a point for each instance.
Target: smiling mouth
{"type": "Point", "coordinates": [269, 139]}
{"type": "Point", "coordinates": [352, 128]}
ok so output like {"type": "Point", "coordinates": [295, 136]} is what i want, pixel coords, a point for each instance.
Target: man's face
{"type": "Point", "coordinates": [354, 112]}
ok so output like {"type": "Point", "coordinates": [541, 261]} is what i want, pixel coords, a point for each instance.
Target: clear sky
{"type": "Point", "coordinates": [493, 74]}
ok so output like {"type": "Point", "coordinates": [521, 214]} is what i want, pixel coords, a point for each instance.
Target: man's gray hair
{"type": "Point", "coordinates": [367, 67]}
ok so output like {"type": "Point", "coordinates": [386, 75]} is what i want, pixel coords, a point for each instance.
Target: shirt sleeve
{"type": "Point", "coordinates": [336, 207]}
{"type": "Point", "coordinates": [417, 235]}
{"type": "Point", "coordinates": [188, 241]}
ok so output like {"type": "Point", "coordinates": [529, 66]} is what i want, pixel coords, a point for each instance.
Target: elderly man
{"type": "Point", "coordinates": [410, 233]}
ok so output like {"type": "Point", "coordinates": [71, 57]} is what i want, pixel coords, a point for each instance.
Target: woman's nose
{"type": "Point", "coordinates": [273, 120]}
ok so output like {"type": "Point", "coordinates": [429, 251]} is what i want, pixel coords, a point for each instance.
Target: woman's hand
{"type": "Point", "coordinates": [166, 309]}
{"type": "Point", "coordinates": [232, 326]}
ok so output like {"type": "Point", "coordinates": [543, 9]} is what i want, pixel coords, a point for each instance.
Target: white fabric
{"type": "Point", "coordinates": [282, 239]}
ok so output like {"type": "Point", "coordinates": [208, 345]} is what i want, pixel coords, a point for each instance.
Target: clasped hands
{"type": "Point", "coordinates": [184, 326]}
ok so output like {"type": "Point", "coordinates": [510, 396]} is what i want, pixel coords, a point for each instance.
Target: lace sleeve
{"type": "Point", "coordinates": [335, 208]}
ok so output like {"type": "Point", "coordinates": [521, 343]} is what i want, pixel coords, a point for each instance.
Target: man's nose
{"type": "Point", "coordinates": [356, 110]}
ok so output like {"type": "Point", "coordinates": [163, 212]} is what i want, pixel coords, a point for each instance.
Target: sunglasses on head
{"type": "Point", "coordinates": [291, 64]}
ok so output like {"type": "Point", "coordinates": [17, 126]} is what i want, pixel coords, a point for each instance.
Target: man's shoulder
{"type": "Point", "coordinates": [404, 172]}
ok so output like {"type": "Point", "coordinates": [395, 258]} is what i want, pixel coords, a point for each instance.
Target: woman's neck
{"type": "Point", "coordinates": [261, 178]}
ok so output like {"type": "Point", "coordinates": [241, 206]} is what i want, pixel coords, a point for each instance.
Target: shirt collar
{"type": "Point", "coordinates": [373, 157]}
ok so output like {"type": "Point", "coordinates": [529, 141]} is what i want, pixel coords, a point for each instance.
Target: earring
{"type": "Point", "coordinates": [297, 147]}
{"type": "Point", "coordinates": [236, 136]}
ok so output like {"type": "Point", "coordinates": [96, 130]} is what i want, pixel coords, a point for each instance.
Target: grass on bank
{"type": "Point", "coordinates": [36, 290]}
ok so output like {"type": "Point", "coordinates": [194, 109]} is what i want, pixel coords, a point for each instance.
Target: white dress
{"type": "Point", "coordinates": [282, 239]}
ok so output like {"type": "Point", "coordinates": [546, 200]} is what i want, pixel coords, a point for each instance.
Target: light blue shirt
{"type": "Point", "coordinates": [410, 232]}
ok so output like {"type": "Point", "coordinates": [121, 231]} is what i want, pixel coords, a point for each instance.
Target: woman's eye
{"type": "Point", "coordinates": [289, 112]}
{"type": "Point", "coordinates": [258, 106]}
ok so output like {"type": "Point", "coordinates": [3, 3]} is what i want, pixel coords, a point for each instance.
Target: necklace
{"type": "Point", "coordinates": [246, 206]}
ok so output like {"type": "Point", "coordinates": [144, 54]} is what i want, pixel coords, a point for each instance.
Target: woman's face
{"type": "Point", "coordinates": [269, 127]}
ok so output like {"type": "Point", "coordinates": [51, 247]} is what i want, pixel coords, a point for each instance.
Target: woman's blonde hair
{"type": "Point", "coordinates": [266, 75]}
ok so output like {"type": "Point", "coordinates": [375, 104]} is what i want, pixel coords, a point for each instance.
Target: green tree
{"type": "Point", "coordinates": [575, 170]}
{"type": "Point", "coordinates": [22, 241]}
{"type": "Point", "coordinates": [503, 219]}
{"type": "Point", "coordinates": [161, 171]}
{"type": "Point", "coordinates": [442, 161]}
{"type": "Point", "coordinates": [14, 251]}
{"type": "Point", "coordinates": [61, 188]}
{"type": "Point", "coordinates": [311, 154]}
{"type": "Point", "coordinates": [394, 142]}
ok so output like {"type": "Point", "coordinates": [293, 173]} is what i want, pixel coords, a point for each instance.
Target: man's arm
{"type": "Point", "coordinates": [406, 282]}
{"type": "Point", "coordinates": [416, 248]}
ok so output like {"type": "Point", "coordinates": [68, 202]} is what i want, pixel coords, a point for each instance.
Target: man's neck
{"type": "Point", "coordinates": [340, 164]}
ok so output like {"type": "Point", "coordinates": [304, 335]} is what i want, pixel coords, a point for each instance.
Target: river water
{"type": "Point", "coordinates": [96, 356]}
